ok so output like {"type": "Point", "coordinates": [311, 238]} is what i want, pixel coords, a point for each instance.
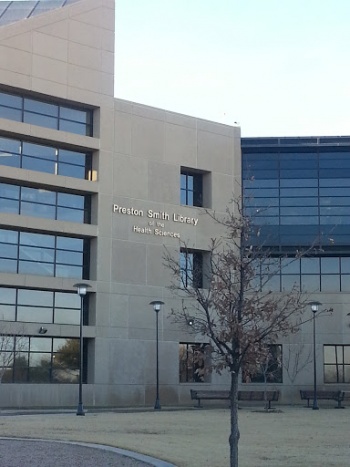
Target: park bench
{"type": "Point", "coordinates": [213, 394]}
{"type": "Point", "coordinates": [266, 396]}
{"type": "Point", "coordinates": [209, 394]}
{"type": "Point", "coordinates": [337, 396]}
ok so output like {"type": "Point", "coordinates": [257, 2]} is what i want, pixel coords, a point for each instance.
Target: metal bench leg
{"type": "Point", "coordinates": [339, 406]}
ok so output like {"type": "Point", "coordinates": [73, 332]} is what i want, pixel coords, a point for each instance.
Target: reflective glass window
{"type": "Point", "coordinates": [39, 306]}
{"type": "Point", "coordinates": [74, 114]}
{"type": "Point", "coordinates": [42, 254]}
{"type": "Point", "coordinates": [34, 315]}
{"type": "Point", "coordinates": [74, 127]}
{"type": "Point", "coordinates": [345, 265]}
{"type": "Point", "coordinates": [310, 283]}
{"type": "Point", "coordinates": [40, 120]}
{"type": "Point", "coordinates": [46, 114]}
{"type": "Point", "coordinates": [41, 107]}
{"type": "Point", "coordinates": [336, 363]}
{"type": "Point", "coordinates": [35, 268]}
{"type": "Point", "coordinates": [330, 265]}
{"type": "Point", "coordinates": [330, 283]}
{"type": "Point", "coordinates": [10, 100]}
{"type": "Point", "coordinates": [42, 203]}
{"type": "Point", "coordinates": [191, 189]}
{"type": "Point", "coordinates": [35, 297]}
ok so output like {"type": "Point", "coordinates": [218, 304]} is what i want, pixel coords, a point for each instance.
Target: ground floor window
{"type": "Point", "coordinates": [193, 359]}
{"type": "Point", "coordinates": [336, 363]}
{"type": "Point", "coordinates": [25, 359]}
{"type": "Point", "coordinates": [267, 370]}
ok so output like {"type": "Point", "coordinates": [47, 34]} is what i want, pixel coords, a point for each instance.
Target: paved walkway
{"type": "Point", "coordinates": [19, 452]}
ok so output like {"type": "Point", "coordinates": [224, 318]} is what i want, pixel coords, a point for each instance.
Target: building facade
{"type": "Point", "coordinates": [93, 189]}
{"type": "Point", "coordinates": [297, 192]}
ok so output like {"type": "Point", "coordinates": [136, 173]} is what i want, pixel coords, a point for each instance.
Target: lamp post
{"type": "Point", "coordinates": [156, 307]}
{"type": "Point", "coordinates": [81, 289]}
{"type": "Point", "coordinates": [314, 309]}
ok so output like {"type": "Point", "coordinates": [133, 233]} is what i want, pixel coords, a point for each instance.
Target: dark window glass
{"type": "Point", "coordinates": [191, 266]}
{"type": "Point", "coordinates": [40, 120]}
{"type": "Point", "coordinates": [268, 371]}
{"type": "Point", "coordinates": [8, 205]}
{"type": "Point", "coordinates": [37, 210]}
{"type": "Point", "coordinates": [191, 193]}
{"type": "Point", "coordinates": [41, 107]}
{"type": "Point", "coordinates": [37, 150]}
{"type": "Point", "coordinates": [47, 159]}
{"type": "Point", "coordinates": [10, 100]}
{"type": "Point", "coordinates": [34, 315]}
{"type": "Point", "coordinates": [74, 114]}
{"type": "Point", "coordinates": [74, 127]}
{"type": "Point", "coordinates": [193, 359]}
{"type": "Point", "coordinates": [336, 363]}
{"type": "Point", "coordinates": [43, 254]}
{"type": "Point", "coordinates": [11, 114]}
{"type": "Point", "coordinates": [40, 306]}
{"type": "Point", "coordinates": [43, 203]}
{"type": "Point", "coordinates": [69, 170]}
{"type": "Point", "coordinates": [46, 114]}
{"type": "Point", "coordinates": [73, 201]}
{"type": "Point", "coordinates": [72, 157]}
{"type": "Point", "coordinates": [39, 165]}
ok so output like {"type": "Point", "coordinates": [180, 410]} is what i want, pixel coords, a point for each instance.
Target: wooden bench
{"type": "Point", "coordinates": [267, 396]}
{"type": "Point", "coordinates": [337, 396]}
{"type": "Point", "coordinates": [209, 394]}
{"type": "Point", "coordinates": [212, 394]}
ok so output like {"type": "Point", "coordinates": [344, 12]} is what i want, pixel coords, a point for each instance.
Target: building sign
{"type": "Point", "coordinates": [156, 224]}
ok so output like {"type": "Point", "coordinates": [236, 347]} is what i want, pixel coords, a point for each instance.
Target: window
{"type": "Point", "coordinates": [53, 160]}
{"type": "Point", "coordinates": [192, 362]}
{"type": "Point", "coordinates": [336, 363]}
{"type": "Point", "coordinates": [44, 203]}
{"type": "Point", "coordinates": [45, 255]}
{"type": "Point", "coordinates": [46, 114]}
{"type": "Point", "coordinates": [267, 371]}
{"type": "Point", "coordinates": [27, 359]}
{"type": "Point", "coordinates": [191, 188]}
{"type": "Point", "coordinates": [41, 306]}
{"type": "Point", "coordinates": [191, 268]}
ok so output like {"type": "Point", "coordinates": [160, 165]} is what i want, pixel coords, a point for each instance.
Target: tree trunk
{"type": "Point", "coordinates": [234, 435]}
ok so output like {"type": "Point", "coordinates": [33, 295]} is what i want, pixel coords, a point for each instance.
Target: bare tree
{"type": "Point", "coordinates": [296, 358]}
{"type": "Point", "coordinates": [235, 309]}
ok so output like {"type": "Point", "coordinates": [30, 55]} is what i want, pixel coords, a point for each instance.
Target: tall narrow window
{"type": "Point", "coordinates": [268, 370]}
{"type": "Point", "coordinates": [337, 363]}
{"type": "Point", "coordinates": [191, 188]}
{"type": "Point", "coordinates": [192, 362]}
{"type": "Point", "coordinates": [191, 268]}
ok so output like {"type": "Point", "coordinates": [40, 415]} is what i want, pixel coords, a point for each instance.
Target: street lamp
{"type": "Point", "coordinates": [156, 307]}
{"type": "Point", "coordinates": [81, 289]}
{"type": "Point", "coordinates": [314, 309]}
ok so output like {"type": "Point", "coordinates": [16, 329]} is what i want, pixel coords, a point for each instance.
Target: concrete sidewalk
{"type": "Point", "coordinates": [289, 437]}
{"type": "Point", "coordinates": [17, 452]}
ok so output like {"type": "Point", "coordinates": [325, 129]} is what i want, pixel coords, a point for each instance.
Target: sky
{"type": "Point", "coordinates": [277, 68]}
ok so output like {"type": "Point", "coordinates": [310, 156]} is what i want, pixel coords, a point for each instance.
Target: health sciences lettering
{"type": "Point", "coordinates": [158, 232]}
